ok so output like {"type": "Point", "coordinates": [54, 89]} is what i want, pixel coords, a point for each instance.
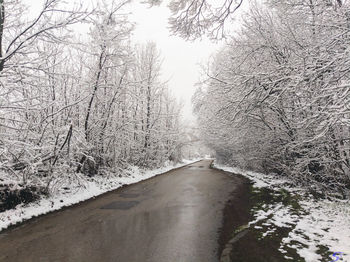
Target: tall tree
{"type": "Point", "coordinates": [274, 98]}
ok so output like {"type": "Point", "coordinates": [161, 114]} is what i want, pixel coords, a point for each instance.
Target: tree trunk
{"type": "Point", "coordinates": [2, 21]}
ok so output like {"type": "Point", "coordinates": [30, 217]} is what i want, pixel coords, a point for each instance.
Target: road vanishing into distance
{"type": "Point", "coordinates": [178, 216]}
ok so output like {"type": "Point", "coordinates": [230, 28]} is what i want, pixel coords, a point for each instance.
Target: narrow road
{"type": "Point", "coordinates": [174, 217]}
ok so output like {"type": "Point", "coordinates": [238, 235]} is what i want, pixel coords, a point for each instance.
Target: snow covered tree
{"type": "Point", "coordinates": [276, 97]}
{"type": "Point", "coordinates": [30, 70]}
{"type": "Point", "coordinates": [73, 106]}
{"type": "Point", "coordinates": [155, 136]}
{"type": "Point", "coordinates": [108, 52]}
{"type": "Point", "coordinates": [191, 19]}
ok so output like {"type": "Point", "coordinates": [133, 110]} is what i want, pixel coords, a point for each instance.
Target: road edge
{"type": "Point", "coordinates": [85, 201]}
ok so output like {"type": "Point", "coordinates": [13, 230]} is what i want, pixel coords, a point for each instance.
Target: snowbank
{"type": "Point", "coordinates": [85, 189]}
{"type": "Point", "coordinates": [323, 223]}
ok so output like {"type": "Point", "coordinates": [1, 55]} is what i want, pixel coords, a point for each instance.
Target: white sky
{"type": "Point", "coordinates": [181, 58]}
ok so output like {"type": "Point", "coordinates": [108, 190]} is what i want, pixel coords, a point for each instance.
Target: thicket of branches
{"type": "Point", "coordinates": [191, 19]}
{"type": "Point", "coordinates": [276, 98]}
{"type": "Point", "coordinates": [79, 106]}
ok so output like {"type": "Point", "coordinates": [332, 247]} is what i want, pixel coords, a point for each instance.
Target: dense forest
{"type": "Point", "coordinates": [72, 103]}
{"type": "Point", "coordinates": [276, 98]}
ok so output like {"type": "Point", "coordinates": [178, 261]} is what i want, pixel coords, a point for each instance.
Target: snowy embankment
{"type": "Point", "coordinates": [320, 225]}
{"type": "Point", "coordinates": [83, 189]}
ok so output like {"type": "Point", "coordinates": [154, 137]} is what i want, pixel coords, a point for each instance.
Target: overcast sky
{"type": "Point", "coordinates": [181, 58]}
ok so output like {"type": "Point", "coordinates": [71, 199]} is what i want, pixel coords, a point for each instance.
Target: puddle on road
{"type": "Point", "coordinates": [123, 205]}
{"type": "Point", "coordinates": [196, 167]}
{"type": "Point", "coordinates": [128, 195]}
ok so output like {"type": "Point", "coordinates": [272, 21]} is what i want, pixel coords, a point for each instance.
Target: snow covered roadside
{"type": "Point", "coordinates": [86, 188]}
{"type": "Point", "coordinates": [319, 227]}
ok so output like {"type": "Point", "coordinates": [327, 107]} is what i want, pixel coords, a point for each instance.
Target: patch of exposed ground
{"type": "Point", "coordinates": [266, 217]}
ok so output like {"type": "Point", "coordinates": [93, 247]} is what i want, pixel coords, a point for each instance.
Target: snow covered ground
{"type": "Point", "coordinates": [80, 189]}
{"type": "Point", "coordinates": [318, 225]}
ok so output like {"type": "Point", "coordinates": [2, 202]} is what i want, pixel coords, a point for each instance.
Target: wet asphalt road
{"type": "Point", "coordinates": [174, 217]}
